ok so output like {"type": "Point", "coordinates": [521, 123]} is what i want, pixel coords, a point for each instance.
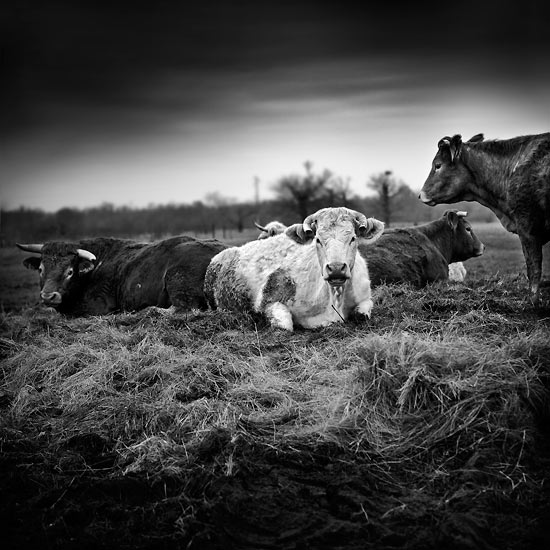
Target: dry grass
{"type": "Point", "coordinates": [425, 428]}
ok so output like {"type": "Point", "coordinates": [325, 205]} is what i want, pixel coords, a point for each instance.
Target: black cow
{"type": "Point", "coordinates": [422, 254]}
{"type": "Point", "coordinates": [511, 177]}
{"type": "Point", "coordinates": [102, 275]}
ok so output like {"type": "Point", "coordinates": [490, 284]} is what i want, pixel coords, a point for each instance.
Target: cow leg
{"type": "Point", "coordinates": [532, 251]}
{"type": "Point", "coordinates": [364, 308]}
{"type": "Point", "coordinates": [279, 316]}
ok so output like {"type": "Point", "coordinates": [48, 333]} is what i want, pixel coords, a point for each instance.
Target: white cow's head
{"type": "Point", "coordinates": [270, 229]}
{"type": "Point", "coordinates": [335, 232]}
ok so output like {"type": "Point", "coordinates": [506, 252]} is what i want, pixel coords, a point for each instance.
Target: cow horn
{"type": "Point", "coordinates": [260, 227]}
{"type": "Point", "coordinates": [307, 228]}
{"type": "Point", "coordinates": [309, 225]}
{"type": "Point", "coordinates": [31, 247]}
{"type": "Point", "coordinates": [361, 220]}
{"type": "Point", "coordinates": [462, 213]}
{"type": "Point", "coordinates": [85, 254]}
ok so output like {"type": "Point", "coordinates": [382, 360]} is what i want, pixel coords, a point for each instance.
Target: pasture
{"type": "Point", "coordinates": [425, 427]}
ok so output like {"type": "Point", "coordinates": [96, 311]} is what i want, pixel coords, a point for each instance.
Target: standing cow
{"type": "Point", "coordinates": [511, 177]}
{"type": "Point", "coordinates": [310, 275]}
{"type": "Point", "coordinates": [102, 275]}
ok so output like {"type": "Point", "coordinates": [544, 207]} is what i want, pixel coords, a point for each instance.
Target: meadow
{"type": "Point", "coordinates": [425, 427]}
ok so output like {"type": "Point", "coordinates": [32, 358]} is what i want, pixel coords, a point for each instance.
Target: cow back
{"type": "Point", "coordinates": [404, 255]}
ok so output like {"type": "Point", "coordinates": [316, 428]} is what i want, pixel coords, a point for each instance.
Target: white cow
{"type": "Point", "coordinates": [310, 275]}
{"type": "Point", "coordinates": [270, 229]}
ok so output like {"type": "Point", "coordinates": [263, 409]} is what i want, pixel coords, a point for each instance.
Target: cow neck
{"type": "Point", "coordinates": [489, 178]}
{"type": "Point", "coordinates": [439, 233]}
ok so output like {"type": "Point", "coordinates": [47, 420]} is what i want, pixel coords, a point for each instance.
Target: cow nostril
{"type": "Point", "coordinates": [335, 269]}
{"type": "Point", "coordinates": [51, 297]}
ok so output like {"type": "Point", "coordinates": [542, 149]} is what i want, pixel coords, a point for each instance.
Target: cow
{"type": "Point", "coordinates": [270, 229]}
{"type": "Point", "coordinates": [311, 275]}
{"type": "Point", "coordinates": [511, 177]}
{"type": "Point", "coordinates": [424, 254]}
{"type": "Point", "coordinates": [103, 275]}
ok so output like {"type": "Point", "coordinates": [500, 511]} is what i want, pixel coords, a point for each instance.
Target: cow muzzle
{"type": "Point", "coordinates": [51, 298]}
{"type": "Point", "coordinates": [424, 198]}
{"type": "Point", "coordinates": [479, 251]}
{"type": "Point", "coordinates": [336, 274]}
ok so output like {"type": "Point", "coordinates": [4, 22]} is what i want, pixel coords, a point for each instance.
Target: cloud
{"type": "Point", "coordinates": [114, 96]}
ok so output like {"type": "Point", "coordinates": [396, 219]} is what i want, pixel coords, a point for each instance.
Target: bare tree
{"type": "Point", "coordinates": [338, 191]}
{"type": "Point", "coordinates": [221, 205]}
{"type": "Point", "coordinates": [302, 191]}
{"type": "Point", "coordinates": [386, 187]}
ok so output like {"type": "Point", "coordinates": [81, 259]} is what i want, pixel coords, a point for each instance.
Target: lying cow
{"type": "Point", "coordinates": [270, 229]}
{"type": "Point", "coordinates": [102, 275]}
{"type": "Point", "coordinates": [311, 275]}
{"type": "Point", "coordinates": [424, 254]}
{"type": "Point", "coordinates": [511, 177]}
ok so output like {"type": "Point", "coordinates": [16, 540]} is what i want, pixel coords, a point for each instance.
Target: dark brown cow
{"type": "Point", "coordinates": [511, 177]}
{"type": "Point", "coordinates": [102, 275]}
{"type": "Point", "coordinates": [422, 254]}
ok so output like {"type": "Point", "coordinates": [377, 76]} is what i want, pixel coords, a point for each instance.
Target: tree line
{"type": "Point", "coordinates": [296, 196]}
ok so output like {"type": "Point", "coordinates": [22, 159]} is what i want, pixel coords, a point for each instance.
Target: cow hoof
{"type": "Point", "coordinates": [365, 308]}
{"type": "Point", "coordinates": [279, 316]}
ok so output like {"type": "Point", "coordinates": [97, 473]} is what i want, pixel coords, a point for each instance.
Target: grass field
{"type": "Point", "coordinates": [425, 428]}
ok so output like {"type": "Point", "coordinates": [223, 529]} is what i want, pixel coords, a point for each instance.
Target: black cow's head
{"type": "Point", "coordinates": [464, 242]}
{"type": "Point", "coordinates": [62, 268]}
{"type": "Point", "coordinates": [449, 177]}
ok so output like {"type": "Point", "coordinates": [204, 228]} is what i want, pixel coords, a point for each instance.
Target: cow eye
{"type": "Point", "coordinates": [352, 240]}
{"type": "Point", "coordinates": [319, 243]}
{"type": "Point", "coordinates": [70, 272]}
{"type": "Point", "coordinates": [437, 165]}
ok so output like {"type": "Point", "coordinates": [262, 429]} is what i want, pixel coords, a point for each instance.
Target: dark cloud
{"type": "Point", "coordinates": [111, 53]}
{"type": "Point", "coordinates": [85, 45]}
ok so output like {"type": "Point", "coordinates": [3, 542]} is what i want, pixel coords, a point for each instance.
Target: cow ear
{"type": "Point", "coordinates": [32, 263]}
{"type": "Point", "coordinates": [373, 230]}
{"type": "Point", "coordinates": [444, 146]}
{"type": "Point", "coordinates": [452, 145]}
{"type": "Point", "coordinates": [456, 147]}
{"type": "Point", "coordinates": [477, 138]}
{"type": "Point", "coordinates": [85, 266]}
{"type": "Point", "coordinates": [444, 142]}
{"type": "Point", "coordinates": [297, 233]}
{"type": "Point", "coordinates": [452, 218]}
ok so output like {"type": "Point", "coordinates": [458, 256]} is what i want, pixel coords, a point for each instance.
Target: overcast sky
{"type": "Point", "coordinates": [136, 102]}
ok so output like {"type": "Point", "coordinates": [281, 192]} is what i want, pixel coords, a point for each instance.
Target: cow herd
{"type": "Point", "coordinates": [321, 270]}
